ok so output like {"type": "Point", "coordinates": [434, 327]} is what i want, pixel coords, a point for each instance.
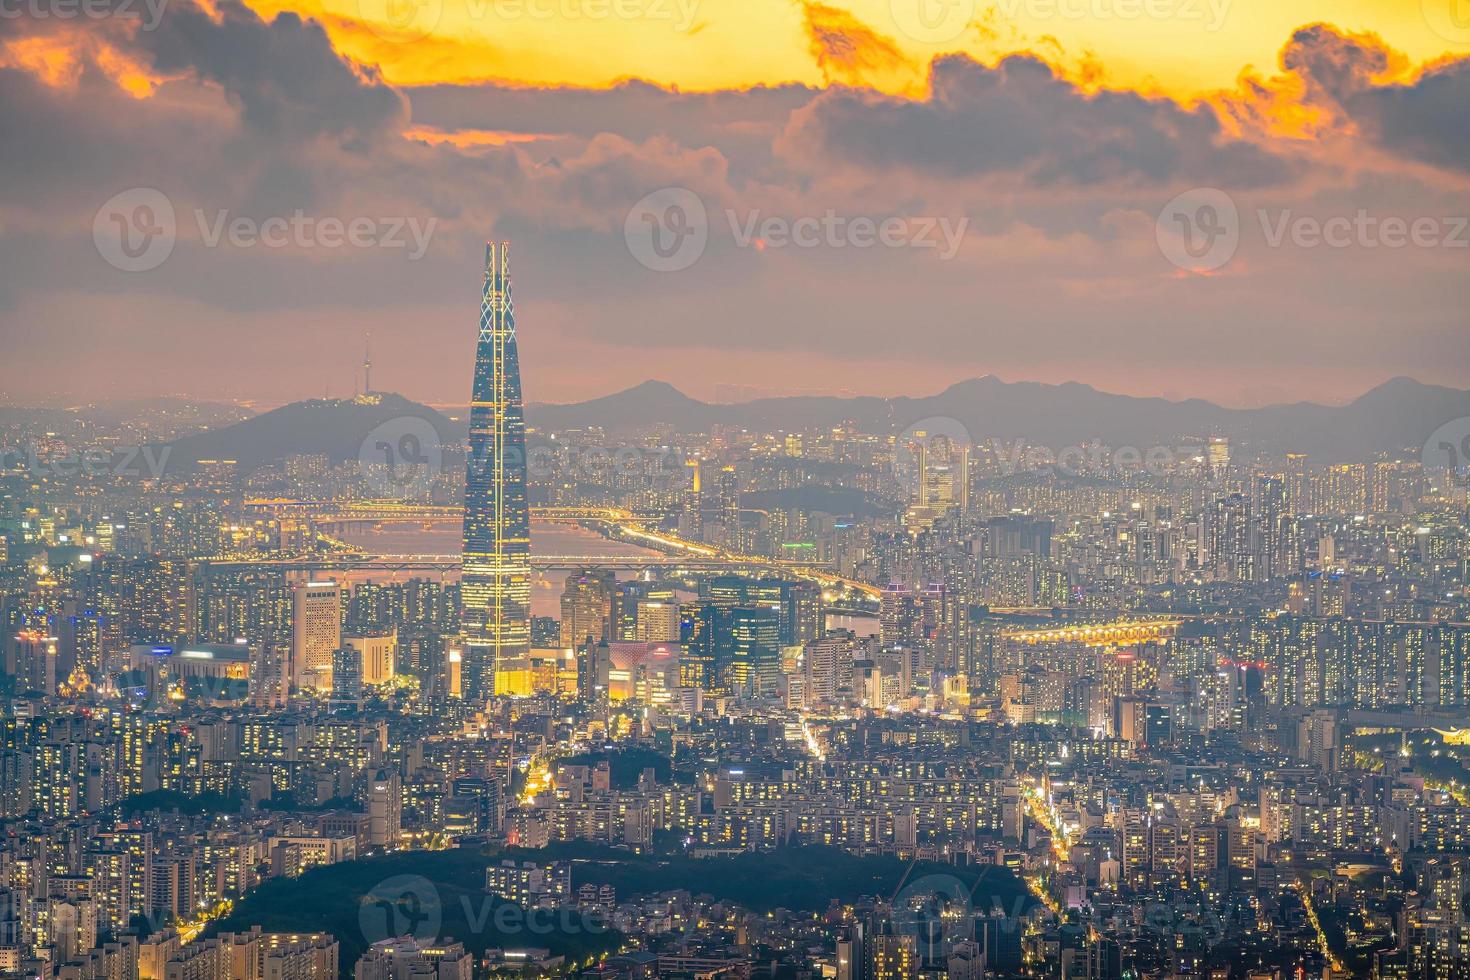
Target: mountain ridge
{"type": "Point", "coordinates": [1397, 415]}
{"type": "Point", "coordinates": [333, 427]}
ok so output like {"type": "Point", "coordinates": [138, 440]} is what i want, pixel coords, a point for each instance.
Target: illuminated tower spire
{"type": "Point", "coordinates": [367, 364]}
{"type": "Point", "coordinates": [496, 561]}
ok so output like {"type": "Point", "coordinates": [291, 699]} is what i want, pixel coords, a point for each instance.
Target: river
{"type": "Point", "coordinates": [546, 539]}
{"type": "Point", "coordinates": [445, 539]}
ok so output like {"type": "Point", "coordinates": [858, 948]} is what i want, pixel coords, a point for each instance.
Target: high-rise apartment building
{"type": "Point", "coordinates": [586, 604]}
{"type": "Point", "coordinates": [316, 633]}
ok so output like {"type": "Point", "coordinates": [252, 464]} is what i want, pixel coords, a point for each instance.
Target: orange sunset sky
{"type": "Point", "coordinates": [1055, 133]}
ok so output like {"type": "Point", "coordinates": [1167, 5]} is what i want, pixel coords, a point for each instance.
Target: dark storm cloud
{"type": "Point", "coordinates": [1430, 119]}
{"type": "Point", "coordinates": [1427, 119]}
{"type": "Point", "coordinates": [257, 120]}
{"type": "Point", "coordinates": [243, 113]}
{"type": "Point", "coordinates": [1331, 63]}
{"type": "Point", "coordinates": [1021, 117]}
{"type": "Point", "coordinates": [284, 74]}
{"type": "Point", "coordinates": [61, 135]}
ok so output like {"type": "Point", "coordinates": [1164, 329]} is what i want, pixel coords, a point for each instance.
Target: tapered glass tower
{"type": "Point", "coordinates": [496, 561]}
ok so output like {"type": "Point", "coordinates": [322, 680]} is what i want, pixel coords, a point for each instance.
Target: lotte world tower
{"type": "Point", "coordinates": [496, 561]}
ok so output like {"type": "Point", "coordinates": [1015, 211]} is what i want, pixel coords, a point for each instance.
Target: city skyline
{"type": "Point", "coordinates": [993, 501]}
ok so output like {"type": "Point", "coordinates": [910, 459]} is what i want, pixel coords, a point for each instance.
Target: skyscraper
{"type": "Point", "coordinates": [496, 561]}
{"type": "Point", "coordinates": [586, 606]}
{"type": "Point", "coordinates": [316, 633]}
{"type": "Point", "coordinates": [346, 673]}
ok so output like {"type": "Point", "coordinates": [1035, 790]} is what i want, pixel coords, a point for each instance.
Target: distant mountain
{"type": "Point", "coordinates": [650, 403]}
{"type": "Point", "coordinates": [332, 427]}
{"type": "Point", "coordinates": [1398, 414]}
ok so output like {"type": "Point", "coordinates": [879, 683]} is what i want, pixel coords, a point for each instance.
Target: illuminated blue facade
{"type": "Point", "coordinates": [496, 561]}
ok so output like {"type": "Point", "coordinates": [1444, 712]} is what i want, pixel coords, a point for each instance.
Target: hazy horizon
{"type": "Point", "coordinates": [261, 405]}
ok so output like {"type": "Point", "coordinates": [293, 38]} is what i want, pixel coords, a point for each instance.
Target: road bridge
{"type": "Point", "coordinates": [1118, 633]}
